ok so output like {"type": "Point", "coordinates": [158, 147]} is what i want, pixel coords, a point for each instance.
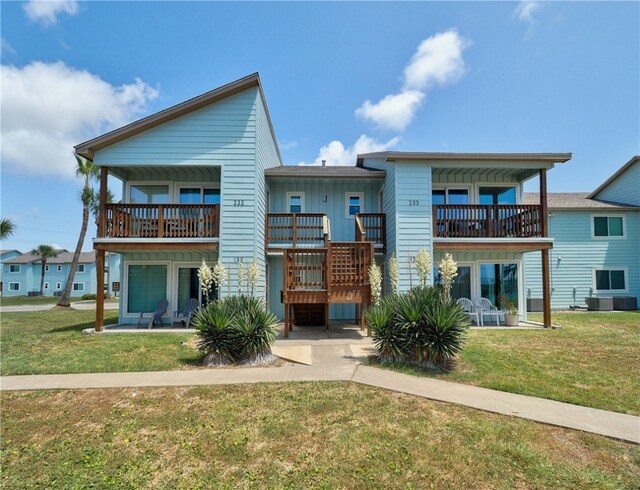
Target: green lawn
{"type": "Point", "coordinates": [592, 361]}
{"type": "Point", "coordinates": [294, 435]}
{"type": "Point", "coordinates": [51, 342]}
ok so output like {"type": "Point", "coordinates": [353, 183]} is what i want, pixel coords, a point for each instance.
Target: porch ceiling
{"type": "Point", "coordinates": [517, 245]}
{"type": "Point", "coordinates": [204, 174]}
{"type": "Point", "coordinates": [482, 174]}
{"type": "Point", "coordinates": [155, 246]}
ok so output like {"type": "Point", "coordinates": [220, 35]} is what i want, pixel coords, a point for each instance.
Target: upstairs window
{"type": "Point", "coordinates": [354, 203]}
{"type": "Point", "coordinates": [46, 268]}
{"type": "Point", "coordinates": [149, 194]}
{"type": "Point", "coordinates": [14, 268]}
{"type": "Point", "coordinates": [497, 195]}
{"type": "Point", "coordinates": [59, 268]}
{"type": "Point", "coordinates": [80, 268]}
{"type": "Point", "coordinates": [450, 196]}
{"type": "Point", "coordinates": [295, 202]}
{"type": "Point", "coordinates": [608, 226]}
{"type": "Point", "coordinates": [610, 280]}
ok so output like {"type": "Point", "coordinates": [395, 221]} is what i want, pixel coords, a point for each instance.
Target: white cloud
{"type": "Point", "coordinates": [526, 10]}
{"type": "Point", "coordinates": [437, 61]}
{"type": "Point", "coordinates": [335, 153]}
{"type": "Point", "coordinates": [394, 112]}
{"type": "Point", "coordinates": [46, 11]}
{"type": "Point", "coordinates": [49, 107]}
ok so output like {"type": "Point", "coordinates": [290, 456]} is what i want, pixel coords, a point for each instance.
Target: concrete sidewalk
{"type": "Point", "coordinates": [77, 305]}
{"type": "Point", "coordinates": [336, 363]}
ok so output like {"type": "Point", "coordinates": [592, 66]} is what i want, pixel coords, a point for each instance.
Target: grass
{"type": "Point", "coordinates": [294, 435]}
{"type": "Point", "coordinates": [592, 361]}
{"type": "Point", "coordinates": [51, 342]}
{"type": "Point", "coordinates": [38, 300]}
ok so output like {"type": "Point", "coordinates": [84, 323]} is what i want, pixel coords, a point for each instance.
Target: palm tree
{"type": "Point", "coordinates": [44, 252]}
{"type": "Point", "coordinates": [86, 170]}
{"type": "Point", "coordinates": [6, 228]}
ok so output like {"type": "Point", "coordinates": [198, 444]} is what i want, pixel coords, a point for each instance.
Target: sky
{"type": "Point", "coordinates": [339, 78]}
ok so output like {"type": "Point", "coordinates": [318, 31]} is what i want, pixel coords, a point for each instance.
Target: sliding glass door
{"type": "Point", "coordinates": [499, 282]}
{"type": "Point", "coordinates": [461, 287]}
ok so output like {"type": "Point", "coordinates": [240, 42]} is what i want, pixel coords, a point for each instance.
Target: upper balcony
{"type": "Point", "coordinates": [487, 221]}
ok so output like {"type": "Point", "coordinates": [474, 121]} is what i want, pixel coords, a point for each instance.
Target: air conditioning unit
{"type": "Point", "coordinates": [599, 304]}
{"type": "Point", "coordinates": [625, 303]}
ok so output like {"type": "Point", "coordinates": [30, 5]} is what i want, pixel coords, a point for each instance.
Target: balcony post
{"type": "Point", "coordinates": [102, 218]}
{"type": "Point", "coordinates": [160, 221]}
{"type": "Point", "coordinates": [294, 228]}
{"type": "Point", "coordinates": [546, 285]}
{"type": "Point", "coordinates": [100, 290]}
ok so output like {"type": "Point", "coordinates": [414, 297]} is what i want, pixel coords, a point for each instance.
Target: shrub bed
{"type": "Point", "coordinates": [420, 327]}
{"type": "Point", "coordinates": [236, 330]}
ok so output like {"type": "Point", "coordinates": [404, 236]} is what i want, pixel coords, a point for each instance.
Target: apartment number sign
{"type": "Point", "coordinates": [414, 202]}
{"type": "Point", "coordinates": [237, 203]}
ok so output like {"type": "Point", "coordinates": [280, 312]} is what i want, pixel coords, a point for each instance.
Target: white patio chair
{"type": "Point", "coordinates": [486, 308]}
{"type": "Point", "coordinates": [467, 306]}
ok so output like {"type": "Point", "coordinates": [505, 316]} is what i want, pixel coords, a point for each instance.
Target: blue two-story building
{"type": "Point", "coordinates": [596, 251]}
{"type": "Point", "coordinates": [204, 180]}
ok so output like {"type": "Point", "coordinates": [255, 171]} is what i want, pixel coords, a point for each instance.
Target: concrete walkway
{"type": "Point", "coordinates": [337, 360]}
{"type": "Point", "coordinates": [77, 305]}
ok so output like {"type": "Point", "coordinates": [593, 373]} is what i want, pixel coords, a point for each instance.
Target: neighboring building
{"type": "Point", "coordinates": [596, 250]}
{"type": "Point", "coordinates": [203, 180]}
{"type": "Point", "coordinates": [21, 274]}
{"type": "Point", "coordinates": [6, 255]}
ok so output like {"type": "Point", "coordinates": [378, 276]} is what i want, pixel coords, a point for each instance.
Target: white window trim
{"type": "Point", "coordinates": [608, 237]}
{"type": "Point", "coordinates": [46, 268]}
{"type": "Point", "coordinates": [19, 269]}
{"type": "Point", "coordinates": [613, 268]}
{"type": "Point", "coordinates": [59, 268]}
{"type": "Point", "coordinates": [46, 285]}
{"type": "Point", "coordinates": [124, 283]}
{"type": "Point", "coordinates": [302, 201]}
{"type": "Point", "coordinates": [58, 285]}
{"type": "Point", "coordinates": [168, 183]}
{"type": "Point", "coordinates": [346, 203]}
{"type": "Point", "coordinates": [73, 288]}
{"type": "Point", "coordinates": [14, 289]}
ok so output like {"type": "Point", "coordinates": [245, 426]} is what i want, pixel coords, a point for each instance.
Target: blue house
{"type": "Point", "coordinates": [204, 180]}
{"type": "Point", "coordinates": [21, 274]}
{"type": "Point", "coordinates": [6, 254]}
{"type": "Point", "coordinates": [596, 251]}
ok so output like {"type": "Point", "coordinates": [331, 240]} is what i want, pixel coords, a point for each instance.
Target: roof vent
{"type": "Point", "coordinates": [324, 163]}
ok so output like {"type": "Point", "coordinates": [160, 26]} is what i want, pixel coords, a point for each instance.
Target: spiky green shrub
{"type": "Point", "coordinates": [215, 329]}
{"type": "Point", "coordinates": [236, 329]}
{"type": "Point", "coordinates": [390, 340]}
{"type": "Point", "coordinates": [418, 327]}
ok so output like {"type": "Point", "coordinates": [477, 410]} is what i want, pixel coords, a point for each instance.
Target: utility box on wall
{"type": "Point", "coordinates": [534, 305]}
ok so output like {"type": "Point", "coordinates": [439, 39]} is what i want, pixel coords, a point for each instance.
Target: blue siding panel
{"type": "Point", "coordinates": [625, 189]}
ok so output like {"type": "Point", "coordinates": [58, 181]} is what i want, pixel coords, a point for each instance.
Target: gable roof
{"type": "Point", "coordinates": [410, 155]}
{"type": "Point", "coordinates": [618, 173]}
{"type": "Point", "coordinates": [573, 200]}
{"type": "Point", "coordinates": [345, 171]}
{"type": "Point", "coordinates": [63, 257]}
{"type": "Point", "coordinates": [88, 148]}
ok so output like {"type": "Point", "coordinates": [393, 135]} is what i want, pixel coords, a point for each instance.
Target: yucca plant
{"type": "Point", "coordinates": [254, 333]}
{"type": "Point", "coordinates": [388, 336]}
{"type": "Point", "coordinates": [445, 334]}
{"type": "Point", "coordinates": [214, 324]}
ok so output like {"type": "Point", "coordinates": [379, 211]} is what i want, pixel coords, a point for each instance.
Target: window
{"type": "Point", "coordinates": [450, 196]}
{"type": "Point", "coordinates": [14, 268]}
{"type": "Point", "coordinates": [608, 226]}
{"type": "Point", "coordinates": [58, 285]}
{"type": "Point", "coordinates": [78, 286]}
{"type": "Point", "coordinates": [14, 286]}
{"type": "Point", "coordinates": [461, 287]}
{"type": "Point", "coordinates": [295, 202]}
{"type": "Point", "coordinates": [46, 268]}
{"type": "Point", "coordinates": [497, 195]}
{"type": "Point", "coordinates": [147, 286]}
{"type": "Point", "coordinates": [59, 268]}
{"type": "Point", "coordinates": [610, 280]}
{"type": "Point", "coordinates": [149, 194]}
{"type": "Point", "coordinates": [46, 285]}
{"type": "Point", "coordinates": [80, 268]}
{"type": "Point", "coordinates": [354, 203]}
{"type": "Point", "coordinates": [499, 282]}
{"type": "Point", "coordinates": [199, 195]}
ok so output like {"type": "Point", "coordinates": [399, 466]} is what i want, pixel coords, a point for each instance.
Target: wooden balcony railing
{"type": "Point", "coordinates": [296, 229]}
{"type": "Point", "coordinates": [487, 221]}
{"type": "Point", "coordinates": [372, 227]}
{"type": "Point", "coordinates": [161, 221]}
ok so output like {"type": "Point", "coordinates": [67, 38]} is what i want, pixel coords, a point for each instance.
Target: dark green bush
{"type": "Point", "coordinates": [88, 296]}
{"type": "Point", "coordinates": [418, 327]}
{"type": "Point", "coordinates": [237, 329]}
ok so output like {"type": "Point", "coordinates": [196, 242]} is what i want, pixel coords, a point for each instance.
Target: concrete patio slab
{"type": "Point", "coordinates": [300, 354]}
